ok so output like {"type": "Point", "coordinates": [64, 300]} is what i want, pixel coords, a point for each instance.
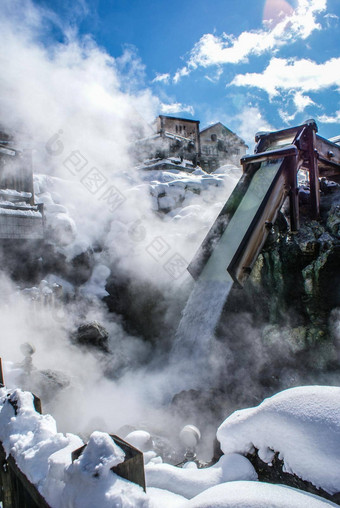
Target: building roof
{"type": "Point", "coordinates": [178, 118]}
{"type": "Point", "coordinates": [231, 132]}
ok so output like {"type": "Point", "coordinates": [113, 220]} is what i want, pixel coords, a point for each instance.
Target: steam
{"type": "Point", "coordinates": [82, 110]}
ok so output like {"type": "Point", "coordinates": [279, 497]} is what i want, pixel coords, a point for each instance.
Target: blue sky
{"type": "Point", "coordinates": [252, 64]}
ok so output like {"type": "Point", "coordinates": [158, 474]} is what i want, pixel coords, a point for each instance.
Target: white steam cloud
{"type": "Point", "coordinates": [81, 110]}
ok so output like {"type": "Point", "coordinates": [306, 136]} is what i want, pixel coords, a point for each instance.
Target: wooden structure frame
{"type": "Point", "coordinates": [278, 158]}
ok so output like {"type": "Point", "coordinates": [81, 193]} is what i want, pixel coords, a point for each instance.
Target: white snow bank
{"type": "Point", "coordinates": [173, 188]}
{"type": "Point", "coordinates": [302, 424]}
{"type": "Point", "coordinates": [189, 482]}
{"type": "Point", "coordinates": [256, 495]}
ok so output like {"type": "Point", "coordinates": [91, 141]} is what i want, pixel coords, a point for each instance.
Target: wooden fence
{"type": "Point", "coordinates": [16, 491]}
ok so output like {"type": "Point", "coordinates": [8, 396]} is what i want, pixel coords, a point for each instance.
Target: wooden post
{"type": "Point", "coordinates": [17, 490]}
{"type": "Point", "coordinates": [132, 468]}
{"type": "Point", "coordinates": [293, 194]}
{"type": "Point", "coordinates": [313, 173]}
{"type": "Point", "coordinates": [5, 482]}
{"type": "Point", "coordinates": [2, 381]}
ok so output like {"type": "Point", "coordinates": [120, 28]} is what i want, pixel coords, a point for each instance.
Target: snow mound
{"type": "Point", "coordinates": [302, 424]}
{"type": "Point", "coordinates": [256, 495]}
{"type": "Point", "coordinates": [164, 499]}
{"type": "Point", "coordinates": [189, 482]}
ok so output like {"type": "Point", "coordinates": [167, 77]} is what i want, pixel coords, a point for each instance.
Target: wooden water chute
{"type": "Point", "coordinates": [269, 177]}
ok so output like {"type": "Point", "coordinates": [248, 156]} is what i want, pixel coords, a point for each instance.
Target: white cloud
{"type": "Point", "coordinates": [330, 119]}
{"type": "Point", "coordinates": [250, 121]}
{"type": "Point", "coordinates": [332, 20]}
{"type": "Point", "coordinates": [218, 50]}
{"type": "Point", "coordinates": [214, 77]}
{"type": "Point", "coordinates": [180, 73]}
{"type": "Point", "coordinates": [161, 78]}
{"type": "Point", "coordinates": [176, 107]}
{"type": "Point", "coordinates": [291, 74]}
{"type": "Point", "coordinates": [300, 102]}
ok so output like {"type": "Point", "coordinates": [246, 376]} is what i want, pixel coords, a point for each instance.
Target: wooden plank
{"type": "Point", "coordinates": [313, 175]}
{"type": "Point", "coordinates": [255, 217]}
{"type": "Point", "coordinates": [2, 381]}
{"type": "Point", "coordinates": [18, 491]}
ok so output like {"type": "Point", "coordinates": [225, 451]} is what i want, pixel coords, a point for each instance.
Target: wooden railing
{"type": "Point", "coordinates": [16, 491]}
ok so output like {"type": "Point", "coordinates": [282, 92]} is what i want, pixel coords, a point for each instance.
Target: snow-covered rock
{"type": "Point", "coordinates": [302, 424]}
{"type": "Point", "coordinates": [189, 482]}
{"type": "Point", "coordinates": [256, 495]}
{"type": "Point", "coordinates": [160, 498]}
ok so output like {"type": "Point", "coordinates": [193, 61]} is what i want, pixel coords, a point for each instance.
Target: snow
{"type": "Point", "coordinates": [32, 439]}
{"type": "Point", "coordinates": [140, 439]}
{"type": "Point", "coordinates": [44, 456]}
{"type": "Point", "coordinates": [164, 499]}
{"type": "Point", "coordinates": [90, 482]}
{"type": "Point", "coordinates": [302, 424]}
{"type": "Point", "coordinates": [256, 495]}
{"type": "Point", "coordinates": [15, 193]}
{"type": "Point", "coordinates": [174, 187]}
{"type": "Point", "coordinates": [20, 213]}
{"type": "Point", "coordinates": [189, 482]}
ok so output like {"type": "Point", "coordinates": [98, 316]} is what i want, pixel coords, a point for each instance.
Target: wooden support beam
{"type": "Point", "coordinates": [292, 168]}
{"type": "Point", "coordinates": [313, 173]}
{"type": "Point", "coordinates": [2, 381]}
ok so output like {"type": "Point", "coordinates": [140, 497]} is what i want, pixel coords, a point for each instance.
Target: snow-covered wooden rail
{"type": "Point", "coordinates": [16, 491]}
{"type": "Point", "coordinates": [33, 457]}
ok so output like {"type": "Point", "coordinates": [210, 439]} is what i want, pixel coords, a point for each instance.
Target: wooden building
{"type": "Point", "coordinates": [219, 146]}
{"type": "Point", "coordinates": [172, 137]}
